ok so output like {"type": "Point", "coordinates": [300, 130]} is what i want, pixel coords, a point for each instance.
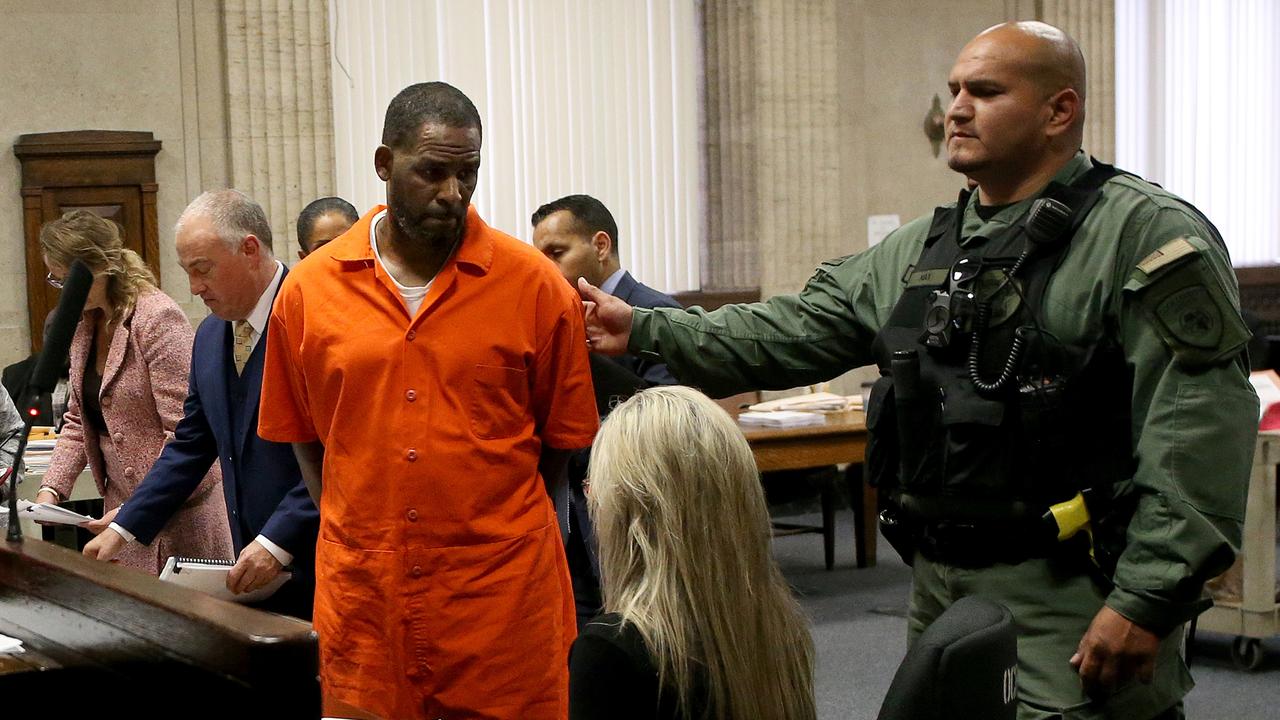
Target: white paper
{"type": "Point", "coordinates": [9, 645]}
{"type": "Point", "coordinates": [823, 402]}
{"type": "Point", "coordinates": [212, 580]}
{"type": "Point", "coordinates": [879, 226]}
{"type": "Point", "coordinates": [781, 419]}
{"type": "Point", "coordinates": [46, 513]}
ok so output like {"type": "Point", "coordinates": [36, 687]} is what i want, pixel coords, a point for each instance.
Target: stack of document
{"type": "Point", "coordinates": [820, 402]}
{"type": "Point", "coordinates": [781, 419]}
{"type": "Point", "coordinates": [39, 453]}
{"type": "Point", "coordinates": [46, 513]}
{"type": "Point", "coordinates": [210, 576]}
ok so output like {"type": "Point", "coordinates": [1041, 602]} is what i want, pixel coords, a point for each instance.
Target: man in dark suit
{"type": "Point", "coordinates": [579, 234]}
{"type": "Point", "coordinates": [51, 405]}
{"type": "Point", "coordinates": [224, 244]}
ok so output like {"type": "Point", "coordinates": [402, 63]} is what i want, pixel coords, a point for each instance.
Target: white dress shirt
{"type": "Point", "coordinates": [610, 283]}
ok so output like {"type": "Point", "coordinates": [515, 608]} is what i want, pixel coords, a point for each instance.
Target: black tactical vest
{"type": "Point", "coordinates": [981, 416]}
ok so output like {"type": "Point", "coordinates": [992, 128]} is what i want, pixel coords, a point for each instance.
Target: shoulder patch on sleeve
{"type": "Point", "coordinates": [1170, 251]}
{"type": "Point", "coordinates": [1188, 303]}
{"type": "Point", "coordinates": [1192, 317]}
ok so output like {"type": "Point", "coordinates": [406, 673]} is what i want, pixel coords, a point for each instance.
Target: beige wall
{"type": "Point", "coordinates": [889, 72]}
{"type": "Point", "coordinates": [237, 91]}
{"type": "Point", "coordinates": [894, 56]}
{"type": "Point", "coordinates": [120, 65]}
{"type": "Point", "coordinates": [814, 123]}
{"type": "Point", "coordinates": [891, 58]}
{"type": "Point", "coordinates": [836, 94]}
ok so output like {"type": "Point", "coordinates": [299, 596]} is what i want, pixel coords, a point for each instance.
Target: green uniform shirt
{"type": "Point", "coordinates": [1144, 270]}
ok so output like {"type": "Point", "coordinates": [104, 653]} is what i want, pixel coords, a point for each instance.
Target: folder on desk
{"type": "Point", "coordinates": [210, 577]}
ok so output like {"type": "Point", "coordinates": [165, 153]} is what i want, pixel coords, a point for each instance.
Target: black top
{"type": "Point", "coordinates": [986, 212]}
{"type": "Point", "coordinates": [612, 676]}
{"type": "Point", "coordinates": [90, 407]}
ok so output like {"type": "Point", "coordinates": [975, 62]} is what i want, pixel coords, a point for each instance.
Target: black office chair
{"type": "Point", "coordinates": [962, 667]}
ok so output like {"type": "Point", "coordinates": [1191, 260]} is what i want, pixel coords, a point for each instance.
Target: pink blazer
{"type": "Point", "coordinates": [144, 385]}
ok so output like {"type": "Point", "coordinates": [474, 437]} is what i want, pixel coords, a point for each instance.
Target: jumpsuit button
{"type": "Point", "coordinates": [410, 395]}
{"type": "Point", "coordinates": [129, 472]}
{"type": "Point", "coordinates": [105, 401]}
{"type": "Point", "coordinates": [416, 571]}
{"type": "Point", "coordinates": [412, 515]}
{"type": "Point", "coordinates": [118, 438]}
{"type": "Point", "coordinates": [411, 335]}
{"type": "Point", "coordinates": [412, 454]}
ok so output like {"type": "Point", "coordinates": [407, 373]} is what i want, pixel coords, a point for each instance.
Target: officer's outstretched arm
{"type": "Point", "coordinates": [789, 340]}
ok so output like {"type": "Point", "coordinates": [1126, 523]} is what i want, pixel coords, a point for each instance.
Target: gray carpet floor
{"type": "Point", "coordinates": [859, 631]}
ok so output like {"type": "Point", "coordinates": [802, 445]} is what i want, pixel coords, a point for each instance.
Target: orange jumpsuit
{"type": "Point", "coordinates": [441, 583]}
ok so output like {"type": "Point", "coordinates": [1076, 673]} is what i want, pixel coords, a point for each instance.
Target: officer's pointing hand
{"type": "Point", "coordinates": [1114, 651]}
{"type": "Point", "coordinates": [608, 320]}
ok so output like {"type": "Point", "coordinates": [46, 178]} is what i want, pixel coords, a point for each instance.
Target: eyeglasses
{"type": "Point", "coordinates": [55, 282]}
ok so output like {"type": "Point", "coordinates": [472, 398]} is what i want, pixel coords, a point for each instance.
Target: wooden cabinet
{"type": "Point", "coordinates": [111, 173]}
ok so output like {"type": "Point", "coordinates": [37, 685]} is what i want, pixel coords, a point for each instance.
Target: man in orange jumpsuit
{"type": "Point", "coordinates": [431, 372]}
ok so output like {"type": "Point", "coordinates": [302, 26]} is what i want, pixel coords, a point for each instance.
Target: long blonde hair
{"type": "Point", "coordinates": [96, 241]}
{"type": "Point", "coordinates": [685, 557]}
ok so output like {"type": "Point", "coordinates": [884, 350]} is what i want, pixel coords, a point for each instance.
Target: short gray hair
{"type": "Point", "coordinates": [233, 214]}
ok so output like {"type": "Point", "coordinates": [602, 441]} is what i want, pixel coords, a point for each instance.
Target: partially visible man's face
{"type": "Point", "coordinates": [326, 227]}
{"type": "Point", "coordinates": [430, 183]}
{"type": "Point", "coordinates": [223, 278]}
{"type": "Point", "coordinates": [995, 120]}
{"type": "Point", "coordinates": [561, 239]}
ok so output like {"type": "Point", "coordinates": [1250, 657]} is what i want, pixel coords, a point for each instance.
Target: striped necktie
{"type": "Point", "coordinates": [243, 345]}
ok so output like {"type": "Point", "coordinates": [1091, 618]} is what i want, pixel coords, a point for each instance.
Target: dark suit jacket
{"type": "Point", "coordinates": [15, 378]}
{"type": "Point", "coordinates": [260, 479]}
{"type": "Point", "coordinates": [645, 374]}
{"type": "Point", "coordinates": [637, 294]}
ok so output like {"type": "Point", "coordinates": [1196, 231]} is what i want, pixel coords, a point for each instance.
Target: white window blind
{"type": "Point", "coordinates": [1197, 98]}
{"type": "Point", "coordinates": [576, 96]}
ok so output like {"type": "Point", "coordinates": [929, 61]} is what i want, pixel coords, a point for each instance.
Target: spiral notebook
{"type": "Point", "coordinates": [210, 577]}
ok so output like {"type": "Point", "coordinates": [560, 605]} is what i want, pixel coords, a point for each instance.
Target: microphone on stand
{"type": "Point", "coordinates": [48, 368]}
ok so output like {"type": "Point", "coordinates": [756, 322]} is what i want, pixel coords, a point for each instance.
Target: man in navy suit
{"type": "Point", "coordinates": [224, 244]}
{"type": "Point", "coordinates": [579, 234]}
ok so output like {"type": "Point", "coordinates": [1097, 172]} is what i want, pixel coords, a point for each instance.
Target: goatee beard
{"type": "Point", "coordinates": [441, 241]}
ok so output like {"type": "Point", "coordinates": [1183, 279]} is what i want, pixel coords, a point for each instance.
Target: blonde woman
{"type": "Point", "coordinates": [698, 622]}
{"type": "Point", "coordinates": [130, 357]}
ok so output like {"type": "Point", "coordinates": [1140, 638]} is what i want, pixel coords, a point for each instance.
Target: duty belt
{"type": "Point", "coordinates": [977, 546]}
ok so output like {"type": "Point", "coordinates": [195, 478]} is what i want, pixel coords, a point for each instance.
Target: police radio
{"type": "Point", "coordinates": [953, 310]}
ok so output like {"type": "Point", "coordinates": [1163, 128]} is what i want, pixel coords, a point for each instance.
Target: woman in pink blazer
{"type": "Point", "coordinates": [130, 359]}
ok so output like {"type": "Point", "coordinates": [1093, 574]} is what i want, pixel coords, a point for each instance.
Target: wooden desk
{"type": "Point", "coordinates": [842, 439]}
{"type": "Point", "coordinates": [93, 630]}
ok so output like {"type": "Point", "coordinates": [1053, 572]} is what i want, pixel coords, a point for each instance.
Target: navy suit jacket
{"type": "Point", "coordinates": [637, 294]}
{"type": "Point", "coordinates": [648, 374]}
{"type": "Point", "coordinates": [260, 479]}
